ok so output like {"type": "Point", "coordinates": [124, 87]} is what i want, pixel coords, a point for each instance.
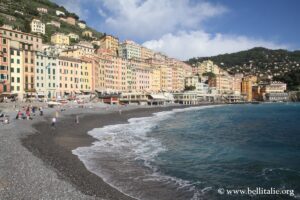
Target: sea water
{"type": "Point", "coordinates": [192, 153]}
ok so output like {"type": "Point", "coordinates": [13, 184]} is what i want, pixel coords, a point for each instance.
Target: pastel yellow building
{"type": "Point", "coordinates": [75, 53]}
{"type": "Point", "coordinates": [87, 34]}
{"type": "Point", "coordinates": [146, 53]}
{"type": "Point", "coordinates": [69, 76]}
{"type": "Point", "coordinates": [110, 42]}
{"type": "Point", "coordinates": [155, 80]}
{"type": "Point", "coordinates": [177, 78]}
{"type": "Point", "coordinates": [205, 67]}
{"type": "Point", "coordinates": [60, 38]}
{"type": "Point", "coordinates": [86, 76]}
{"type": "Point", "coordinates": [165, 78]}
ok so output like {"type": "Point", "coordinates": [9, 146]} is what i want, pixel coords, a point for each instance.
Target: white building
{"type": "Point", "coordinates": [129, 49]}
{"type": "Point", "coordinates": [81, 25]}
{"type": "Point", "coordinates": [87, 47]}
{"type": "Point", "coordinates": [58, 12]}
{"type": "Point", "coordinates": [37, 26]}
{"type": "Point", "coordinates": [42, 10]}
{"type": "Point", "coordinates": [16, 71]}
{"type": "Point", "coordinates": [54, 23]}
{"type": "Point", "coordinates": [73, 36]}
{"type": "Point", "coordinates": [46, 75]}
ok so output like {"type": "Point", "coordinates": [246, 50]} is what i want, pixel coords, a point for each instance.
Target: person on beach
{"type": "Point", "coordinates": [56, 114]}
{"type": "Point", "coordinates": [77, 119]}
{"type": "Point", "coordinates": [53, 122]}
{"type": "Point", "coordinates": [19, 115]}
{"type": "Point", "coordinates": [41, 111]}
{"type": "Point", "coordinates": [27, 114]}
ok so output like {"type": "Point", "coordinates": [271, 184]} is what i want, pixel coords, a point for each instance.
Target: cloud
{"type": "Point", "coordinates": [75, 6]}
{"type": "Point", "coordinates": [185, 45]}
{"type": "Point", "coordinates": [170, 26]}
{"type": "Point", "coordinates": [145, 19]}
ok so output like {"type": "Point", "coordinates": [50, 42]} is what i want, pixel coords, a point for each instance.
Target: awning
{"type": "Point", "coordinates": [8, 94]}
{"type": "Point", "coordinates": [53, 103]}
{"type": "Point", "coordinates": [158, 97]}
{"type": "Point", "coordinates": [86, 91]}
{"type": "Point", "coordinates": [40, 93]}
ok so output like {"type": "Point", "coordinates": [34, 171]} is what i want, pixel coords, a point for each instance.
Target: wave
{"type": "Point", "coordinates": [125, 151]}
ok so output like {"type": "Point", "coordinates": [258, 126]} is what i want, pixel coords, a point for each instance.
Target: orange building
{"type": "Point", "coordinates": [4, 64]}
{"type": "Point", "coordinates": [247, 84]}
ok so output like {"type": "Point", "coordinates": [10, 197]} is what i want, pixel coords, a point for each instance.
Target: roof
{"type": "Point", "coordinates": [158, 96]}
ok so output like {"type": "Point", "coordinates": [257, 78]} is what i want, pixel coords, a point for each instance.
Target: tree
{"type": "Point", "coordinates": [1, 22]}
{"type": "Point", "coordinates": [209, 74]}
{"type": "Point", "coordinates": [187, 88]}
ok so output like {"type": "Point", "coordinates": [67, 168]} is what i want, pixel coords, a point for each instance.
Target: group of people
{"type": "Point", "coordinates": [28, 112]}
{"type": "Point", "coordinates": [4, 118]}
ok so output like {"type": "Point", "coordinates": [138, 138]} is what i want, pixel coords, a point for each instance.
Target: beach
{"type": "Point", "coordinates": [36, 160]}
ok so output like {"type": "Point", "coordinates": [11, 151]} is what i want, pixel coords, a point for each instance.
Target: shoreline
{"type": "Point", "coordinates": [54, 147]}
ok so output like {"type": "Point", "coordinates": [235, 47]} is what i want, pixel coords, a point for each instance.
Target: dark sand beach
{"type": "Point", "coordinates": [54, 147]}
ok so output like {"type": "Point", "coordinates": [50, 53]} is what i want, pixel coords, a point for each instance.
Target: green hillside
{"type": "Point", "coordinates": [29, 10]}
{"type": "Point", "coordinates": [265, 63]}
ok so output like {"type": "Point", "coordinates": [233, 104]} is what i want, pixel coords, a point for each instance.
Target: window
{"type": "Point", "coordinates": [4, 41]}
{"type": "Point", "coordinates": [12, 79]}
{"type": "Point", "coordinates": [18, 70]}
{"type": "Point", "coordinates": [18, 88]}
{"type": "Point", "coordinates": [18, 80]}
{"type": "Point", "coordinates": [18, 61]}
{"type": "Point", "coordinates": [4, 50]}
{"type": "Point", "coordinates": [18, 52]}
{"type": "Point", "coordinates": [26, 69]}
{"type": "Point", "coordinates": [4, 59]}
{"type": "Point", "coordinates": [12, 60]}
{"type": "Point", "coordinates": [12, 69]}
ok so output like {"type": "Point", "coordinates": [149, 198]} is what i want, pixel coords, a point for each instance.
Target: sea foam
{"type": "Point", "coordinates": [129, 145]}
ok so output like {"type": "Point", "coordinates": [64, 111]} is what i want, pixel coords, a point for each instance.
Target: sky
{"type": "Point", "coordinates": [195, 28]}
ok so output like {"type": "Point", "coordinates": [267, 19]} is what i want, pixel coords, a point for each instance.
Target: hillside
{"type": "Point", "coordinates": [265, 63]}
{"type": "Point", "coordinates": [23, 11]}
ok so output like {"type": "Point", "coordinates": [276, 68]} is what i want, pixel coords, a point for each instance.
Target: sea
{"type": "Point", "coordinates": [202, 153]}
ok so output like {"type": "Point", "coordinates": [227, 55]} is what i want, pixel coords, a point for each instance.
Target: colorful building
{"type": "Point", "coordinates": [87, 34]}
{"type": "Point", "coordinates": [110, 42]}
{"type": "Point", "coordinates": [129, 49]}
{"type": "Point", "coordinates": [146, 53]}
{"type": "Point", "coordinates": [4, 64]}
{"type": "Point", "coordinates": [247, 84]}
{"type": "Point", "coordinates": [46, 76]}
{"type": "Point", "coordinates": [71, 20]}
{"type": "Point", "coordinates": [33, 42]}
{"type": "Point", "coordinates": [37, 26]}
{"type": "Point", "coordinates": [60, 39]}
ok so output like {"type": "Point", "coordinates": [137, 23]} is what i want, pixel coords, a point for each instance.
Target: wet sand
{"type": "Point", "coordinates": [54, 147]}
